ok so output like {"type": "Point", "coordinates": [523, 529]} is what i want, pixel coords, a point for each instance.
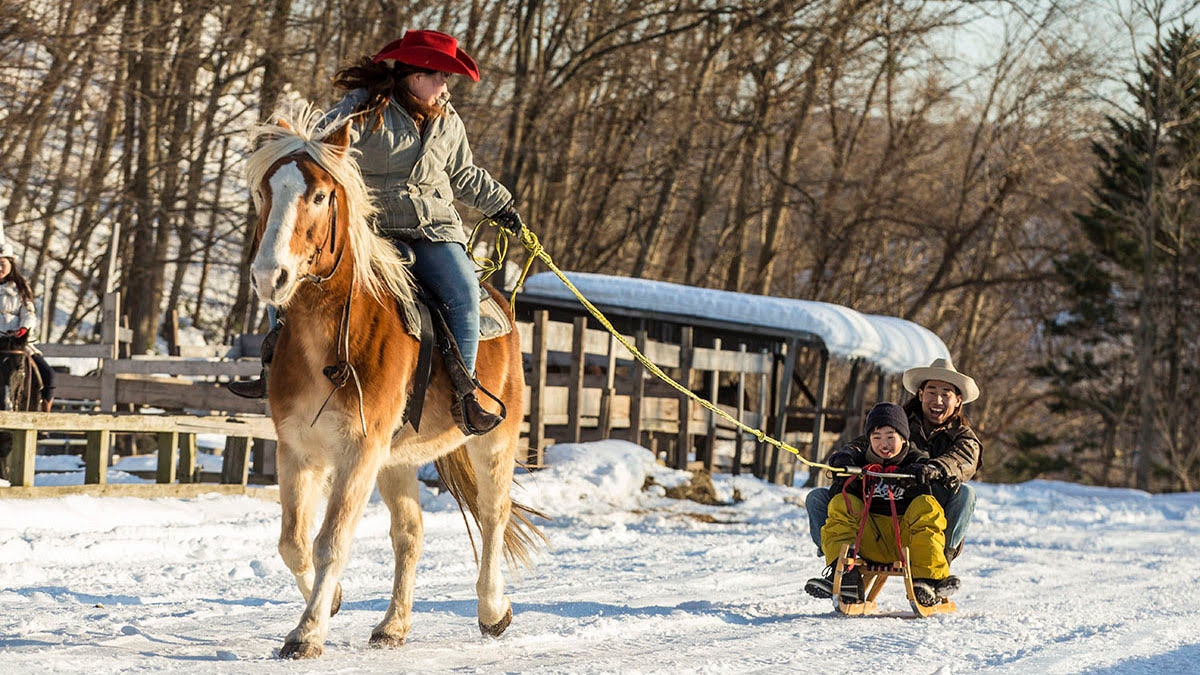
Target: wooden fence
{"type": "Point", "coordinates": [582, 386]}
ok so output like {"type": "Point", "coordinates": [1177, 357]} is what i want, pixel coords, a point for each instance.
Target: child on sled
{"type": "Point", "coordinates": [922, 524]}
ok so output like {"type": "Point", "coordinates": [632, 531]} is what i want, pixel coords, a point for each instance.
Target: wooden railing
{"type": "Point", "coordinates": [582, 385]}
{"type": "Point", "coordinates": [175, 435]}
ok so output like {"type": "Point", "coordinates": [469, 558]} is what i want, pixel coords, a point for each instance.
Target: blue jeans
{"type": "Point", "coordinates": [445, 270]}
{"type": "Point", "coordinates": [959, 507]}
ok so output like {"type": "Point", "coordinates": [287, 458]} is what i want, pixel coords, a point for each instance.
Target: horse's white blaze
{"type": "Point", "coordinates": [274, 252]}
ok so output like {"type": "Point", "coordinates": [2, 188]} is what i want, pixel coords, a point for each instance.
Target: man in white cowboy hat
{"type": "Point", "coordinates": [939, 428]}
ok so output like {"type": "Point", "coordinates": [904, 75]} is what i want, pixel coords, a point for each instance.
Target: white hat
{"type": "Point", "coordinates": [6, 249]}
{"type": "Point", "coordinates": [941, 369]}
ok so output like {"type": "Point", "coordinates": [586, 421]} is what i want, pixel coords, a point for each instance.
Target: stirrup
{"type": "Point", "coordinates": [471, 418]}
{"type": "Point", "coordinates": [257, 388]}
{"type": "Point", "coordinates": [254, 388]}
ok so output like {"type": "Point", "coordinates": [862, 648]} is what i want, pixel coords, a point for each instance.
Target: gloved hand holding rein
{"type": "Point", "coordinates": [509, 220]}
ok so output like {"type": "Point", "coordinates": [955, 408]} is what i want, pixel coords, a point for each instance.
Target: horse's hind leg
{"type": "Point", "coordinates": [299, 491]}
{"type": "Point", "coordinates": [353, 479]}
{"type": "Point", "coordinates": [400, 491]}
{"type": "Point", "coordinates": [492, 457]}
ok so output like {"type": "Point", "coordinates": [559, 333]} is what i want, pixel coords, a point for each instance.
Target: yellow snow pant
{"type": "Point", "coordinates": [922, 530]}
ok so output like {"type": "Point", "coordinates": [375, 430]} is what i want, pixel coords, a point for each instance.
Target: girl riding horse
{"type": "Point", "coordinates": [19, 318]}
{"type": "Point", "coordinates": [416, 160]}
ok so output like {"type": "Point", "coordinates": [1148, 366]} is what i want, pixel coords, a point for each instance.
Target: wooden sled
{"type": "Point", "coordinates": [874, 576]}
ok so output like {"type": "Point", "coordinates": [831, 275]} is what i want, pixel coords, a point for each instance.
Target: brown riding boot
{"type": "Point", "coordinates": [471, 418]}
{"type": "Point", "coordinates": [257, 388]}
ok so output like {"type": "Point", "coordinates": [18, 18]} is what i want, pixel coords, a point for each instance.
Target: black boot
{"type": "Point", "coordinates": [822, 586]}
{"type": "Point", "coordinates": [471, 418]}
{"type": "Point", "coordinates": [257, 387]}
{"type": "Point", "coordinates": [929, 592]}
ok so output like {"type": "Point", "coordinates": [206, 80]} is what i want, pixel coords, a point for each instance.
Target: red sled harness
{"type": "Point", "coordinates": [870, 478]}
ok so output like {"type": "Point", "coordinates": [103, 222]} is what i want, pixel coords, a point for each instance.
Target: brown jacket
{"type": "Point", "coordinates": [953, 446]}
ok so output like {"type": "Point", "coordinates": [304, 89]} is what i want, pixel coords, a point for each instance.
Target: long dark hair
{"type": "Point", "coordinates": [14, 275]}
{"type": "Point", "coordinates": [913, 409]}
{"type": "Point", "coordinates": [385, 84]}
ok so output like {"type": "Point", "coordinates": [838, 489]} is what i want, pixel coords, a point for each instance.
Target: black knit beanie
{"type": "Point", "coordinates": [888, 415]}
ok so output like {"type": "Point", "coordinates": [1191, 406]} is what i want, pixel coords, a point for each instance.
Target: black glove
{"type": "Point", "coordinates": [927, 474]}
{"type": "Point", "coordinates": [840, 460]}
{"type": "Point", "coordinates": [509, 220]}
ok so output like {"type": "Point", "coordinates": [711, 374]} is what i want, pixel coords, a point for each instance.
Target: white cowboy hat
{"type": "Point", "coordinates": [941, 369]}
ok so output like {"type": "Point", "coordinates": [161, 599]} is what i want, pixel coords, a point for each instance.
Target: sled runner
{"type": "Point", "coordinates": [875, 575]}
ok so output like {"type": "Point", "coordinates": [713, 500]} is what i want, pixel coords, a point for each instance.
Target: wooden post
{"type": "Point", "coordinates": [234, 469]}
{"type": "Point", "coordinates": [609, 393]}
{"type": "Point", "coordinates": [537, 389]}
{"type": "Point", "coordinates": [187, 458]}
{"type": "Point", "coordinates": [21, 460]}
{"type": "Point", "coordinates": [95, 469]}
{"type": "Point", "coordinates": [257, 456]}
{"type": "Point", "coordinates": [880, 387]}
{"type": "Point", "coordinates": [638, 375]}
{"type": "Point", "coordinates": [168, 455]}
{"type": "Point", "coordinates": [575, 390]}
{"type": "Point", "coordinates": [781, 405]}
{"type": "Point", "coordinates": [710, 442]}
{"type": "Point", "coordinates": [819, 418]}
{"type": "Point", "coordinates": [683, 443]}
{"type": "Point", "coordinates": [764, 393]}
{"type": "Point", "coordinates": [268, 450]}
{"type": "Point", "coordinates": [740, 436]}
{"type": "Point", "coordinates": [109, 332]}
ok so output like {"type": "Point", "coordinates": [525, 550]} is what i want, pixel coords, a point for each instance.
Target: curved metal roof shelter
{"type": "Point", "coordinates": [893, 344]}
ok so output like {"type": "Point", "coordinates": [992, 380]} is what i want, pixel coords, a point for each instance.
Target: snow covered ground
{"type": "Point", "coordinates": [1057, 578]}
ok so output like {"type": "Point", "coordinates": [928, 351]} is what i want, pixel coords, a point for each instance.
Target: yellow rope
{"type": "Point", "coordinates": [536, 251]}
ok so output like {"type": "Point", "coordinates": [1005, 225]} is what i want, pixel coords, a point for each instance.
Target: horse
{"type": "Point", "coordinates": [22, 385]}
{"type": "Point", "coordinates": [316, 256]}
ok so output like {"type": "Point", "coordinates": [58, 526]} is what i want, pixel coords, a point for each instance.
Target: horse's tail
{"type": "Point", "coordinates": [521, 536]}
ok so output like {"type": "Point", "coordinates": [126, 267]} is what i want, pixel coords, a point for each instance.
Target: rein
{"type": "Point", "coordinates": [340, 372]}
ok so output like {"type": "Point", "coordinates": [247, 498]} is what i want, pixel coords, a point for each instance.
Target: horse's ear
{"type": "Point", "coordinates": [339, 139]}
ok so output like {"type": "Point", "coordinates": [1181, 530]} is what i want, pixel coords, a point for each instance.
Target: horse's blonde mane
{"type": "Point", "coordinates": [377, 265]}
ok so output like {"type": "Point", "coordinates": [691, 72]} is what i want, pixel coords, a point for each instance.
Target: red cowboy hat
{"type": "Point", "coordinates": [429, 49]}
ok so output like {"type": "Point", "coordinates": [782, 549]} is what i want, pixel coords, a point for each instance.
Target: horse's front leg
{"type": "Point", "coordinates": [353, 478]}
{"type": "Point", "coordinates": [399, 488]}
{"type": "Point", "coordinates": [299, 490]}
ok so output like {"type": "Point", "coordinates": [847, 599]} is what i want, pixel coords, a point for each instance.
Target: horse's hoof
{"type": "Point", "coordinates": [497, 628]}
{"type": "Point", "coordinates": [337, 601]}
{"type": "Point", "coordinates": [301, 650]}
{"type": "Point", "coordinates": [380, 640]}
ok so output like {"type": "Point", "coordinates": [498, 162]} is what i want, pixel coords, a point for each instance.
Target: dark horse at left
{"type": "Point", "coordinates": [22, 386]}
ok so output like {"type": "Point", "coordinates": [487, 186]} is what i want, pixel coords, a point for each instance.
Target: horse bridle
{"type": "Point", "coordinates": [331, 239]}
{"type": "Point", "coordinates": [342, 370]}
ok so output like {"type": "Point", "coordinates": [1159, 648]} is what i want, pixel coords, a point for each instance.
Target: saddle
{"type": "Point", "coordinates": [425, 320]}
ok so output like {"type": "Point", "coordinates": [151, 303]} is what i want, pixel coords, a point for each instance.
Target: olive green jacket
{"type": "Point", "coordinates": [416, 177]}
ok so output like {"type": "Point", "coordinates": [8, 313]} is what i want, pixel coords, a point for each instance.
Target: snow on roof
{"type": "Point", "coordinates": [893, 344]}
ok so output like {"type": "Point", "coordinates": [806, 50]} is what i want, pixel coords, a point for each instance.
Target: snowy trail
{"type": "Point", "coordinates": [1057, 578]}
